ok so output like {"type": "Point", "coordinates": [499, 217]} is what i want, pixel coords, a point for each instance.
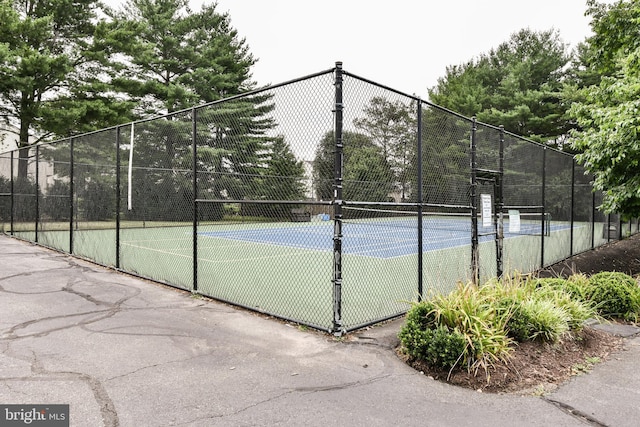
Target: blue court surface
{"type": "Point", "coordinates": [367, 240]}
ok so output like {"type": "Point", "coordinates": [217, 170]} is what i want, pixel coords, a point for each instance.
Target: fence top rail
{"type": "Point", "coordinates": [194, 108]}
{"type": "Point", "coordinates": [285, 83]}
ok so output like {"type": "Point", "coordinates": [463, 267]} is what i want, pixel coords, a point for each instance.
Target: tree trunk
{"type": "Point", "coordinates": [23, 153]}
{"type": "Point", "coordinates": [23, 162]}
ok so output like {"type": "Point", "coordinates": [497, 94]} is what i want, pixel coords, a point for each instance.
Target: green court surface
{"type": "Point", "coordinates": [286, 269]}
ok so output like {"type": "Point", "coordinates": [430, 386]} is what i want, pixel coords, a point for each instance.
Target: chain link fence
{"type": "Point", "coordinates": [330, 200]}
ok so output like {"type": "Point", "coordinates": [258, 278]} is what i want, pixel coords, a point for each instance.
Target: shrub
{"type": "Point", "coordinates": [439, 347]}
{"type": "Point", "coordinates": [457, 329]}
{"type": "Point", "coordinates": [576, 286]}
{"type": "Point", "coordinates": [516, 323]}
{"type": "Point", "coordinates": [615, 295]}
{"type": "Point", "coordinates": [572, 286]}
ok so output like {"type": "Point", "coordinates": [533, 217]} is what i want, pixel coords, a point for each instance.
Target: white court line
{"type": "Point", "coordinates": [390, 249]}
{"type": "Point", "coordinates": [156, 240]}
{"type": "Point", "coordinates": [270, 244]}
{"type": "Point", "coordinates": [233, 260]}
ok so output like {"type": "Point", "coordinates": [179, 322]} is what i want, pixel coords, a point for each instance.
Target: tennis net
{"type": "Point", "coordinates": [526, 223]}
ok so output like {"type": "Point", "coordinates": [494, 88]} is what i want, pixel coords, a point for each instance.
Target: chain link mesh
{"type": "Point", "coordinates": [237, 200]}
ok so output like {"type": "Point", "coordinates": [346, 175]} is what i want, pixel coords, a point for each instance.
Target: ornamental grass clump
{"type": "Point", "coordinates": [539, 319]}
{"type": "Point", "coordinates": [615, 295]}
{"type": "Point", "coordinates": [570, 296]}
{"type": "Point", "coordinates": [475, 327]}
{"type": "Point", "coordinates": [458, 329]}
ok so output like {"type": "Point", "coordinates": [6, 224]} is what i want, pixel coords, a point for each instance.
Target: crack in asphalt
{"type": "Point", "coordinates": [568, 409]}
{"type": "Point", "coordinates": [104, 310]}
{"type": "Point", "coordinates": [304, 390]}
{"type": "Point", "coordinates": [107, 407]}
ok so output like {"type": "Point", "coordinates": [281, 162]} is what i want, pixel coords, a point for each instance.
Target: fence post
{"type": "Point", "coordinates": [12, 191]}
{"type": "Point", "coordinates": [619, 226]}
{"type": "Point", "coordinates": [71, 193]}
{"type": "Point", "coordinates": [37, 190]}
{"type": "Point", "coordinates": [118, 195]}
{"type": "Point", "coordinates": [593, 218]}
{"type": "Point", "coordinates": [475, 267]}
{"type": "Point", "coordinates": [571, 215]}
{"type": "Point", "coordinates": [420, 201]}
{"type": "Point", "coordinates": [337, 327]}
{"type": "Point", "coordinates": [499, 221]}
{"type": "Point", "coordinates": [194, 189]}
{"type": "Point", "coordinates": [544, 201]}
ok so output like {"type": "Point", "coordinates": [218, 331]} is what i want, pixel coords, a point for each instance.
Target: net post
{"type": "Point", "coordinates": [195, 198]}
{"type": "Point", "coordinates": [37, 190]}
{"type": "Point", "coordinates": [337, 326]}
{"type": "Point", "coordinates": [475, 267]}
{"type": "Point", "coordinates": [420, 201]}
{"type": "Point", "coordinates": [499, 218]}
{"type": "Point", "coordinates": [118, 197]}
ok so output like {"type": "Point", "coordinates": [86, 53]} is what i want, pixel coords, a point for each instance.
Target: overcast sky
{"type": "Point", "coordinates": [404, 44]}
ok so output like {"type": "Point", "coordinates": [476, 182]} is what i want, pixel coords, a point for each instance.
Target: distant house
{"type": "Point", "coordinates": [9, 137]}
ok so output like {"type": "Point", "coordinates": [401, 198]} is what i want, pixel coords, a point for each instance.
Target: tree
{"type": "Point", "coordinates": [519, 85]}
{"type": "Point", "coordinates": [49, 54]}
{"type": "Point", "coordinates": [609, 126]}
{"type": "Point", "coordinates": [366, 174]}
{"type": "Point", "coordinates": [179, 58]}
{"type": "Point", "coordinates": [392, 127]}
{"type": "Point", "coordinates": [282, 179]}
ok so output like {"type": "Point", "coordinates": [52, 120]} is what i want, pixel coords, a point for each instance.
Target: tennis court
{"type": "Point", "coordinates": [265, 266]}
{"type": "Point", "coordinates": [386, 239]}
{"type": "Point", "coordinates": [127, 197]}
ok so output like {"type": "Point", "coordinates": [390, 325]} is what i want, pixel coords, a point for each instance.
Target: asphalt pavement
{"type": "Point", "coordinates": [122, 351]}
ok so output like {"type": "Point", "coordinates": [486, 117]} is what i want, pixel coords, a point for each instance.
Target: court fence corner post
{"type": "Point", "coordinates": [37, 220]}
{"type": "Point", "coordinates": [420, 203]}
{"type": "Point", "coordinates": [12, 192]}
{"type": "Point", "coordinates": [71, 195]}
{"type": "Point", "coordinates": [194, 183]}
{"type": "Point", "coordinates": [337, 325]}
{"type": "Point", "coordinates": [118, 195]}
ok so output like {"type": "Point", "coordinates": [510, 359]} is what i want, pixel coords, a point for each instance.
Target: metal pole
{"type": "Point", "coordinates": [475, 267]}
{"type": "Point", "coordinates": [11, 207]}
{"type": "Point", "coordinates": [118, 195]}
{"type": "Point", "coordinates": [593, 218]}
{"type": "Point", "coordinates": [71, 193]}
{"type": "Point", "coordinates": [619, 225]}
{"type": "Point", "coordinates": [420, 201]}
{"type": "Point", "coordinates": [499, 220]}
{"type": "Point", "coordinates": [544, 200]}
{"type": "Point", "coordinates": [337, 327]}
{"type": "Point", "coordinates": [194, 189]}
{"type": "Point", "coordinates": [573, 187]}
{"type": "Point", "coordinates": [37, 189]}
